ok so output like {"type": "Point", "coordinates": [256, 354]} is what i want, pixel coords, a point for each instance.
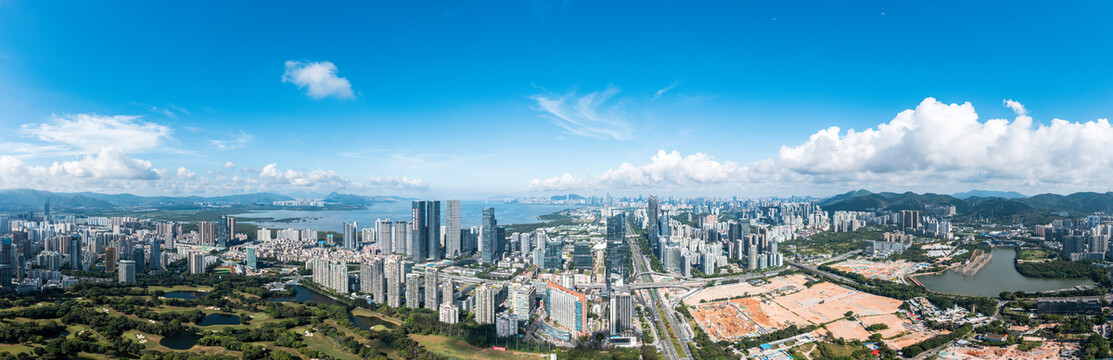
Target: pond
{"type": "Point", "coordinates": [185, 295]}
{"type": "Point", "coordinates": [182, 341]}
{"type": "Point", "coordinates": [997, 276]}
{"type": "Point", "coordinates": [368, 322]}
{"type": "Point", "coordinates": [305, 294]}
{"type": "Point", "coordinates": [219, 319]}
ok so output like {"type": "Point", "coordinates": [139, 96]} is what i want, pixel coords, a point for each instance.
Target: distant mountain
{"type": "Point", "coordinates": [567, 197]}
{"type": "Point", "coordinates": [352, 199]}
{"type": "Point", "coordinates": [997, 207]}
{"type": "Point", "coordinates": [863, 200]}
{"type": "Point", "coordinates": [989, 194]}
{"type": "Point", "coordinates": [33, 200]}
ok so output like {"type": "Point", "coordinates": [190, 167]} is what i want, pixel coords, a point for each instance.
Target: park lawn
{"type": "Point", "coordinates": [180, 288]}
{"type": "Point", "coordinates": [321, 343]}
{"type": "Point", "coordinates": [1032, 254]}
{"type": "Point", "coordinates": [459, 349]}
{"type": "Point", "coordinates": [364, 312]}
{"type": "Point", "coordinates": [833, 350]}
{"type": "Point", "coordinates": [15, 348]}
{"type": "Point", "coordinates": [152, 340]}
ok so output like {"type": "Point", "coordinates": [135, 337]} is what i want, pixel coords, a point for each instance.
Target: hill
{"type": "Point", "coordinates": [989, 194]}
{"type": "Point", "coordinates": [1035, 208]}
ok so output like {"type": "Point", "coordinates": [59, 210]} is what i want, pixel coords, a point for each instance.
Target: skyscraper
{"type": "Point", "coordinates": [249, 258]}
{"type": "Point", "coordinates": [378, 281]}
{"type": "Point", "coordinates": [127, 271]}
{"type": "Point", "coordinates": [448, 292]}
{"type": "Point", "coordinates": [207, 232]}
{"type": "Point", "coordinates": [401, 237]}
{"type": "Point", "coordinates": [156, 255]}
{"type": "Point", "coordinates": [109, 259]}
{"type": "Point", "coordinates": [484, 304]}
{"type": "Point", "coordinates": [432, 280]}
{"type": "Point", "coordinates": [385, 231]}
{"type": "Point", "coordinates": [618, 252]}
{"type": "Point", "coordinates": [567, 307]}
{"type": "Point", "coordinates": [413, 290]}
{"type": "Point", "coordinates": [622, 313]}
{"type": "Point", "coordinates": [350, 238]}
{"type": "Point", "coordinates": [196, 263]}
{"type": "Point", "coordinates": [426, 225]}
{"type": "Point", "coordinates": [226, 230]}
{"type": "Point", "coordinates": [139, 257]}
{"type": "Point", "coordinates": [75, 252]}
{"type": "Point", "coordinates": [393, 272]}
{"type": "Point", "coordinates": [488, 233]}
{"type": "Point", "coordinates": [453, 246]}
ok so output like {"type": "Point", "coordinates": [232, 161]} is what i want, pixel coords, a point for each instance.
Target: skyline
{"type": "Point", "coordinates": [471, 101]}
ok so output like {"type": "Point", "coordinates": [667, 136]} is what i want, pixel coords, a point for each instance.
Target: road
{"type": "Point", "coordinates": [664, 344]}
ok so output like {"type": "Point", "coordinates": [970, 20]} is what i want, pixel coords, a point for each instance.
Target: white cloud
{"type": "Point", "coordinates": [320, 79]}
{"type": "Point", "coordinates": [110, 163]}
{"type": "Point", "coordinates": [935, 144]}
{"type": "Point", "coordinates": [398, 183]}
{"type": "Point", "coordinates": [89, 133]}
{"type": "Point", "coordinates": [662, 92]}
{"type": "Point", "coordinates": [590, 115]}
{"type": "Point", "coordinates": [239, 141]}
{"type": "Point", "coordinates": [229, 165]}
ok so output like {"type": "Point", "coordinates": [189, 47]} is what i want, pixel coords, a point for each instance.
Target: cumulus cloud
{"type": "Point", "coordinates": [239, 141]}
{"type": "Point", "coordinates": [592, 114]}
{"type": "Point", "coordinates": [319, 78]}
{"type": "Point", "coordinates": [935, 143]}
{"type": "Point", "coordinates": [398, 183]}
{"type": "Point", "coordinates": [110, 167]}
{"type": "Point", "coordinates": [89, 133]}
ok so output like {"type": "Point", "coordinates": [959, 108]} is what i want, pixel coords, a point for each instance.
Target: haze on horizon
{"type": "Point", "coordinates": [539, 98]}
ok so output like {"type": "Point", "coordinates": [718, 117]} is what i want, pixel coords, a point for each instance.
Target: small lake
{"type": "Point", "coordinates": [185, 295]}
{"type": "Point", "coordinates": [183, 341]}
{"type": "Point", "coordinates": [305, 294]}
{"type": "Point", "coordinates": [368, 322]}
{"type": "Point", "coordinates": [997, 276]}
{"type": "Point", "coordinates": [219, 319]}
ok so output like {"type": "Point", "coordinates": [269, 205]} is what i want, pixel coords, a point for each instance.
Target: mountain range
{"type": "Point", "coordinates": [33, 200]}
{"type": "Point", "coordinates": [977, 204]}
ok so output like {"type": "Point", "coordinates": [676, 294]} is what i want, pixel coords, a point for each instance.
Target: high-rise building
{"type": "Point", "coordinates": [622, 314]}
{"type": "Point", "coordinates": [75, 252]}
{"type": "Point", "coordinates": [426, 230]}
{"type": "Point", "coordinates": [484, 304]}
{"type": "Point", "coordinates": [206, 232]}
{"type": "Point", "coordinates": [448, 292]}
{"type": "Point", "coordinates": [522, 300]}
{"type": "Point", "coordinates": [909, 220]}
{"type": "Point", "coordinates": [553, 254]}
{"type": "Point", "coordinates": [581, 256]}
{"type": "Point", "coordinates": [350, 238]}
{"type": "Point", "coordinates": [226, 230]}
{"type": "Point", "coordinates": [567, 307]}
{"type": "Point", "coordinates": [487, 238]}
{"type": "Point", "coordinates": [413, 292]}
{"type": "Point", "coordinates": [618, 252]}
{"type": "Point", "coordinates": [138, 256]}
{"type": "Point", "coordinates": [393, 271]}
{"type": "Point", "coordinates": [196, 263]}
{"type": "Point", "coordinates": [378, 281]}
{"type": "Point", "coordinates": [385, 231]}
{"type": "Point", "coordinates": [249, 258]}
{"type": "Point", "coordinates": [5, 277]}
{"type": "Point", "coordinates": [127, 271]}
{"type": "Point", "coordinates": [109, 259]}
{"type": "Point", "coordinates": [432, 282]}
{"type": "Point", "coordinates": [506, 325]}
{"type": "Point", "coordinates": [453, 247]}
{"type": "Point", "coordinates": [155, 255]}
{"type": "Point", "coordinates": [401, 237]}
{"type": "Point", "coordinates": [449, 313]}
{"type": "Point", "coordinates": [652, 212]}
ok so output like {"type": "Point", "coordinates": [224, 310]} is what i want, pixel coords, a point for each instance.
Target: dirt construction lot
{"type": "Point", "coordinates": [901, 332]}
{"type": "Point", "coordinates": [888, 270]}
{"type": "Point", "coordinates": [1048, 350]}
{"type": "Point", "coordinates": [776, 308]}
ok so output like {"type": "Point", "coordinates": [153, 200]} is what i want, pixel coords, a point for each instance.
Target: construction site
{"type": "Point", "coordinates": [786, 301]}
{"type": "Point", "coordinates": [886, 270]}
{"type": "Point", "coordinates": [1046, 350]}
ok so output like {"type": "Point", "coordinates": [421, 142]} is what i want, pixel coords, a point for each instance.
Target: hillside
{"type": "Point", "coordinates": [1035, 208]}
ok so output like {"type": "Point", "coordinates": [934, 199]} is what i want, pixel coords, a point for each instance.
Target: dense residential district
{"type": "Point", "coordinates": [629, 278]}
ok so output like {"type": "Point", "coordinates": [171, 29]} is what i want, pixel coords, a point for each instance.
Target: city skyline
{"type": "Point", "coordinates": [471, 101]}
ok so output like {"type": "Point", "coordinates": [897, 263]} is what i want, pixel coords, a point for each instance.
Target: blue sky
{"type": "Point", "coordinates": [483, 98]}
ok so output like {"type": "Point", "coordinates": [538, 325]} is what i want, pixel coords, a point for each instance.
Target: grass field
{"type": "Point", "coordinates": [321, 343]}
{"type": "Point", "coordinates": [458, 349]}
{"type": "Point", "coordinates": [15, 349]}
{"type": "Point", "coordinates": [1032, 254]}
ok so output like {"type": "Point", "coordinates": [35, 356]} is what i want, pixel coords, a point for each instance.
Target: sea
{"type": "Point", "coordinates": [471, 213]}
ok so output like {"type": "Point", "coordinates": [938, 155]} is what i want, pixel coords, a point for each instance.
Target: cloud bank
{"type": "Point", "coordinates": [318, 78]}
{"type": "Point", "coordinates": [935, 143]}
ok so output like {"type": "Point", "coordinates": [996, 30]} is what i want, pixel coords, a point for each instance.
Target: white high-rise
{"type": "Point", "coordinates": [484, 304]}
{"type": "Point", "coordinates": [453, 247]}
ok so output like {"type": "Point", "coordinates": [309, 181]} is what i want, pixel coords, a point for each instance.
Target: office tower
{"type": "Point", "coordinates": [567, 307]}
{"type": "Point", "coordinates": [196, 263]}
{"type": "Point", "coordinates": [618, 252]}
{"type": "Point", "coordinates": [110, 259]}
{"type": "Point", "coordinates": [484, 304]}
{"type": "Point", "coordinates": [207, 232]}
{"type": "Point", "coordinates": [522, 300]}
{"type": "Point", "coordinates": [156, 255]}
{"type": "Point", "coordinates": [75, 252]}
{"type": "Point", "coordinates": [249, 259]}
{"type": "Point", "coordinates": [413, 292]}
{"type": "Point", "coordinates": [449, 313]}
{"type": "Point", "coordinates": [500, 241]}
{"type": "Point", "coordinates": [469, 239]}
{"type": "Point", "coordinates": [5, 277]}
{"type": "Point", "coordinates": [553, 252]}
{"type": "Point", "coordinates": [127, 271]}
{"type": "Point", "coordinates": [23, 243]}
{"type": "Point", "coordinates": [138, 256]}
{"type": "Point", "coordinates": [226, 230]}
{"type": "Point", "coordinates": [401, 237]}
{"type": "Point", "coordinates": [453, 247]}
{"type": "Point", "coordinates": [909, 220]}
{"type": "Point", "coordinates": [432, 280]}
{"type": "Point", "coordinates": [384, 231]}
{"type": "Point", "coordinates": [393, 270]}
{"type": "Point", "coordinates": [581, 256]}
{"type": "Point", "coordinates": [652, 211]}
{"type": "Point", "coordinates": [426, 227]}
{"type": "Point", "coordinates": [350, 241]}
{"type": "Point", "coordinates": [622, 313]}
{"type": "Point", "coordinates": [488, 234]}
